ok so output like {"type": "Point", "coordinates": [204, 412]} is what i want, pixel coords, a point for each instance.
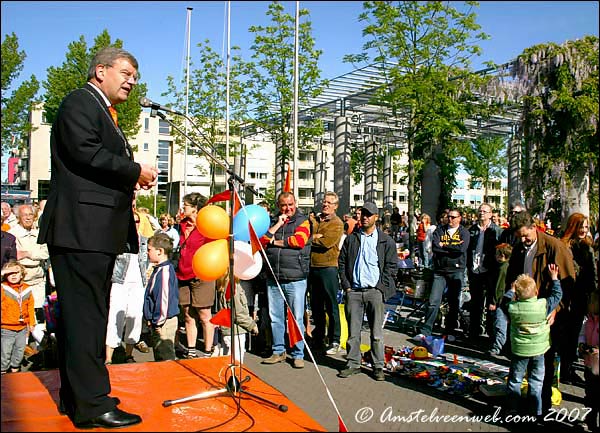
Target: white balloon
{"type": "Point", "coordinates": [245, 265]}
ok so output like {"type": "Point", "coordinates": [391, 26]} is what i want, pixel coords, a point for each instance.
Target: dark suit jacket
{"type": "Point", "coordinates": [9, 247]}
{"type": "Point", "coordinates": [93, 179]}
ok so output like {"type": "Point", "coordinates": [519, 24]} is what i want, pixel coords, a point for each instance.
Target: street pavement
{"type": "Point", "coordinates": [398, 403]}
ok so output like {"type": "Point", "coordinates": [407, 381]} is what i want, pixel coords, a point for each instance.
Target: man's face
{"type": "Point", "coordinates": [330, 205]}
{"type": "Point", "coordinates": [485, 214]}
{"type": "Point", "coordinates": [454, 219]}
{"type": "Point", "coordinates": [5, 210]}
{"type": "Point", "coordinates": [367, 220]}
{"type": "Point", "coordinates": [527, 235]}
{"type": "Point", "coordinates": [26, 217]}
{"type": "Point", "coordinates": [118, 80]}
{"type": "Point", "coordinates": [287, 205]}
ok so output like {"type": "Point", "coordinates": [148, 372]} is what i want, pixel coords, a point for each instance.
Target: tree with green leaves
{"type": "Point", "coordinates": [73, 74]}
{"type": "Point", "coordinates": [560, 125]}
{"type": "Point", "coordinates": [207, 104]}
{"type": "Point", "coordinates": [484, 159]}
{"type": "Point", "coordinates": [271, 83]}
{"type": "Point", "coordinates": [16, 107]}
{"type": "Point", "coordinates": [423, 47]}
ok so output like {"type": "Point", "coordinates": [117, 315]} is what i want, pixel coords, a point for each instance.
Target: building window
{"type": "Point", "coordinates": [305, 193]}
{"type": "Point", "coordinates": [146, 147]}
{"type": "Point", "coordinates": [163, 127]}
{"type": "Point", "coordinates": [146, 125]}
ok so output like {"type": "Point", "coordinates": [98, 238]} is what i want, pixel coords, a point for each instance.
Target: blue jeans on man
{"type": "Point", "coordinates": [454, 282]}
{"type": "Point", "coordinates": [500, 330]}
{"type": "Point", "coordinates": [534, 366]}
{"type": "Point", "coordinates": [295, 293]}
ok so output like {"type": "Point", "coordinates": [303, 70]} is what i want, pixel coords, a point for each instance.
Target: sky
{"type": "Point", "coordinates": [155, 31]}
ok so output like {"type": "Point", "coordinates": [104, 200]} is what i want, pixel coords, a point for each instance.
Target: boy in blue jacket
{"type": "Point", "coordinates": [161, 302]}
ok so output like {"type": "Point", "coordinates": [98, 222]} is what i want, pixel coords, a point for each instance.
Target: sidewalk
{"type": "Point", "coordinates": [399, 403]}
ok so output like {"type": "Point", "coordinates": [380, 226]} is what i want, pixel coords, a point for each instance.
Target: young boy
{"type": "Point", "coordinates": [503, 253]}
{"type": "Point", "coordinates": [529, 337]}
{"type": "Point", "coordinates": [18, 315]}
{"type": "Point", "coordinates": [161, 302]}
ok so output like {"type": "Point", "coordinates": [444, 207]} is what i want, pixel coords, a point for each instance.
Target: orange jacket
{"type": "Point", "coordinates": [12, 311]}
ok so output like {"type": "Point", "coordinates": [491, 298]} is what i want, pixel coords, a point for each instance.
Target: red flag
{"type": "Point", "coordinates": [287, 186]}
{"type": "Point", "coordinates": [222, 196]}
{"type": "Point", "coordinates": [293, 331]}
{"type": "Point", "coordinates": [254, 242]}
{"type": "Point", "coordinates": [228, 291]}
{"type": "Point", "coordinates": [341, 426]}
{"type": "Point", "coordinates": [236, 203]}
{"type": "Point", "coordinates": [222, 318]}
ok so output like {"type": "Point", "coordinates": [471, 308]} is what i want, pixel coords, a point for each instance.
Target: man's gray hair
{"type": "Point", "coordinates": [107, 56]}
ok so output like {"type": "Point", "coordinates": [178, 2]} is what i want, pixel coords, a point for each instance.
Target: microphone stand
{"type": "Point", "coordinates": [233, 386]}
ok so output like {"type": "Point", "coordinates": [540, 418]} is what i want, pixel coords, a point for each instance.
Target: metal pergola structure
{"type": "Point", "coordinates": [353, 95]}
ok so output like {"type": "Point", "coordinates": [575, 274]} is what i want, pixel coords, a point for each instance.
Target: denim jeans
{"type": "Point", "coordinates": [295, 294]}
{"type": "Point", "coordinates": [13, 347]}
{"type": "Point", "coordinates": [534, 366]}
{"type": "Point", "coordinates": [500, 329]}
{"type": "Point", "coordinates": [453, 281]}
{"type": "Point", "coordinates": [357, 304]}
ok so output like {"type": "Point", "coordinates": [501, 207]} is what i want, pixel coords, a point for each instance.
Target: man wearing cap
{"type": "Point", "coordinates": [367, 266]}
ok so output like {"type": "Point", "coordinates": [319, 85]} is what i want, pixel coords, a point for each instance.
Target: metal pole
{"type": "Point", "coordinates": [187, 90]}
{"type": "Point", "coordinates": [227, 81]}
{"type": "Point", "coordinates": [295, 109]}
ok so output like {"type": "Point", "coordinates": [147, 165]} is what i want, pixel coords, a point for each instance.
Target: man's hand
{"type": "Point", "coordinates": [148, 176]}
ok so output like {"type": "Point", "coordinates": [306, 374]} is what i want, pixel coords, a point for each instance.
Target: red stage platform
{"type": "Point", "coordinates": [30, 400]}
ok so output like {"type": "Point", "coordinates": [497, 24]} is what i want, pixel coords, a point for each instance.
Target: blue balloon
{"type": "Point", "coordinates": [257, 216]}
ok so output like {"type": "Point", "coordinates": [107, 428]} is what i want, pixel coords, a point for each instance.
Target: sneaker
{"type": "Point", "coordinates": [298, 363]}
{"type": "Point", "coordinates": [493, 352]}
{"type": "Point", "coordinates": [334, 349]}
{"type": "Point", "coordinates": [419, 337]}
{"type": "Point", "coordinates": [450, 338]}
{"type": "Point", "coordinates": [347, 372]}
{"type": "Point", "coordinates": [129, 360]}
{"type": "Point", "coordinates": [378, 374]}
{"type": "Point", "coordinates": [275, 358]}
{"type": "Point", "coordinates": [142, 346]}
{"type": "Point", "coordinates": [203, 354]}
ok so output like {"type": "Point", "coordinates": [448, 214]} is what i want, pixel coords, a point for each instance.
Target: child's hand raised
{"type": "Point", "coordinates": [553, 269]}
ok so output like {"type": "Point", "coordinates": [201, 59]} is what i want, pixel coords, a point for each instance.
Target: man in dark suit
{"type": "Point", "coordinates": [88, 220]}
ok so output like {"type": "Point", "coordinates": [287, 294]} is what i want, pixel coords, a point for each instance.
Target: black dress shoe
{"type": "Point", "coordinates": [114, 419]}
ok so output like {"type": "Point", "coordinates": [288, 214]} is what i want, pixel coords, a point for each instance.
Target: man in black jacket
{"type": "Point", "coordinates": [368, 264]}
{"type": "Point", "coordinates": [449, 245]}
{"type": "Point", "coordinates": [88, 220]}
{"type": "Point", "coordinates": [482, 267]}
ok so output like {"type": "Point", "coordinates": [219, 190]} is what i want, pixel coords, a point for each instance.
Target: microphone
{"type": "Point", "coordinates": [145, 102]}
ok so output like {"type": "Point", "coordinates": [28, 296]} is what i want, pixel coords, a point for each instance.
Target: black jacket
{"type": "Point", "coordinates": [490, 240]}
{"type": "Point", "coordinates": [387, 258]}
{"type": "Point", "coordinates": [92, 181]}
{"type": "Point", "coordinates": [453, 255]}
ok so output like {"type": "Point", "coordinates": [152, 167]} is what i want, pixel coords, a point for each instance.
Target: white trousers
{"type": "Point", "coordinates": [240, 346]}
{"type": "Point", "coordinates": [125, 314]}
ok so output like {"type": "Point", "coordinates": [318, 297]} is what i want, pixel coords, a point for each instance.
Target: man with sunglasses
{"type": "Point", "coordinates": [449, 245]}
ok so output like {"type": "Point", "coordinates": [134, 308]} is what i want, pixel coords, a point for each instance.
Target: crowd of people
{"type": "Point", "coordinates": [125, 277]}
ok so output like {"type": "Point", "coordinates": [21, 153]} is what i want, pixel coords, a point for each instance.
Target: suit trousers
{"type": "Point", "coordinates": [83, 281]}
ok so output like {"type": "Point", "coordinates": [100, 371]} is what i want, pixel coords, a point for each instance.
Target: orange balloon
{"type": "Point", "coordinates": [211, 261]}
{"type": "Point", "coordinates": [213, 222]}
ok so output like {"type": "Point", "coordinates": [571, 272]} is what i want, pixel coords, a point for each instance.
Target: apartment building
{"type": "Point", "coordinates": [155, 144]}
